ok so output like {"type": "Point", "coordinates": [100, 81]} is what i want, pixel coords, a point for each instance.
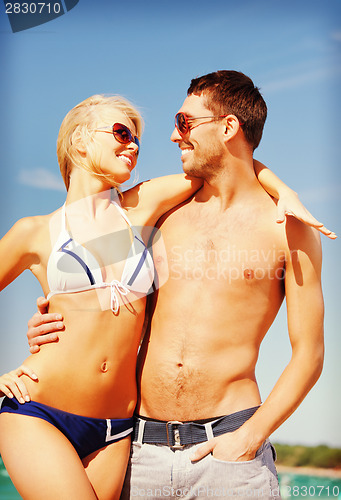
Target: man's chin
{"type": "Point", "coordinates": [191, 171]}
{"type": "Point", "coordinates": [187, 168]}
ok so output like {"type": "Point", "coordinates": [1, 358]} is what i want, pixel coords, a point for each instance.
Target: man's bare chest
{"type": "Point", "coordinates": [224, 250]}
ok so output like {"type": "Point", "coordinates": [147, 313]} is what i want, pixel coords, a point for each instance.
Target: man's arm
{"type": "Point", "coordinates": [305, 312]}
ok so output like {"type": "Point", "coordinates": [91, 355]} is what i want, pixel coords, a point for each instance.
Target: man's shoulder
{"type": "Point", "coordinates": [290, 234]}
{"type": "Point", "coordinates": [301, 236]}
{"type": "Point", "coordinates": [258, 212]}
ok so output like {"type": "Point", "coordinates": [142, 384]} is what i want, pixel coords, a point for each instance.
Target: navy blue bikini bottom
{"type": "Point", "coordinates": [84, 433]}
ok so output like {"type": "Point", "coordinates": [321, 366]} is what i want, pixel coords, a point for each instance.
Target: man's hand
{"type": "Point", "coordinates": [43, 327]}
{"type": "Point", "coordinates": [290, 204]}
{"type": "Point", "coordinates": [230, 447]}
{"type": "Point", "coordinates": [12, 386]}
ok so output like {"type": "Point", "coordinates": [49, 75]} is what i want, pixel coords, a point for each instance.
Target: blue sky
{"type": "Point", "coordinates": [148, 52]}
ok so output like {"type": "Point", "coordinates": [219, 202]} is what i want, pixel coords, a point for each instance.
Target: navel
{"type": "Point", "coordinates": [104, 367]}
{"type": "Point", "coordinates": [249, 274]}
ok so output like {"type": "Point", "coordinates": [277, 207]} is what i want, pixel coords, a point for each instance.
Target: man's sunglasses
{"type": "Point", "coordinates": [183, 122]}
{"type": "Point", "coordinates": [122, 134]}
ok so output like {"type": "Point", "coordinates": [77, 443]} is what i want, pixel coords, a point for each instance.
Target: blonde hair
{"type": "Point", "coordinates": [81, 122]}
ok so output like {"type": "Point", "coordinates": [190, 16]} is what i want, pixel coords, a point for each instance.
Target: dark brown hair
{"type": "Point", "coordinates": [232, 92]}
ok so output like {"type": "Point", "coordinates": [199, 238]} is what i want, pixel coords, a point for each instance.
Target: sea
{"type": "Point", "coordinates": [292, 486]}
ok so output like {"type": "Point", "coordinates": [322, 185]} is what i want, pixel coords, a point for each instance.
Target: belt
{"type": "Point", "coordinates": [177, 434]}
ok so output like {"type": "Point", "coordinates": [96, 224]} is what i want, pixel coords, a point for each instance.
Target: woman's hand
{"type": "Point", "coordinates": [288, 201]}
{"type": "Point", "coordinates": [11, 384]}
{"type": "Point", "coordinates": [290, 204]}
{"type": "Point", "coordinates": [43, 327]}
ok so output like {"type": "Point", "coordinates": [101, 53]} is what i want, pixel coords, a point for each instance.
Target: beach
{"type": "Point", "coordinates": [310, 471]}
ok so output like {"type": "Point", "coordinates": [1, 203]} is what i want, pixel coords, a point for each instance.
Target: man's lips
{"type": "Point", "coordinates": [185, 151]}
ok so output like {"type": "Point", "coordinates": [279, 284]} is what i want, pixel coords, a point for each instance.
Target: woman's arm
{"type": "Point", "coordinates": [288, 201]}
{"type": "Point", "coordinates": [15, 250]}
{"type": "Point", "coordinates": [156, 196]}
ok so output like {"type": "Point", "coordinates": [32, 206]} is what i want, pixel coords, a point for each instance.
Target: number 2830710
{"type": "Point", "coordinates": [33, 8]}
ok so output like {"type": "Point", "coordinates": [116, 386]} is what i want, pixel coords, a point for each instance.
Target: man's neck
{"type": "Point", "coordinates": [231, 186]}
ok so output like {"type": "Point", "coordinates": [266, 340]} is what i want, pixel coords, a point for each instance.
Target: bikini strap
{"type": "Point", "coordinates": [120, 209]}
{"type": "Point", "coordinates": [63, 215]}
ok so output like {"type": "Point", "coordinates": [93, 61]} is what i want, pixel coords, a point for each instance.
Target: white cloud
{"type": "Point", "coordinates": [297, 80]}
{"type": "Point", "coordinates": [42, 179]}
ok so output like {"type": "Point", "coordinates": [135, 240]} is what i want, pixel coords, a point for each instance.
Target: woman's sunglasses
{"type": "Point", "coordinates": [122, 134]}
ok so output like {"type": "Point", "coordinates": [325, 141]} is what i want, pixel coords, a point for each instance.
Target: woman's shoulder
{"type": "Point", "coordinates": [33, 228]}
{"type": "Point", "coordinates": [35, 222]}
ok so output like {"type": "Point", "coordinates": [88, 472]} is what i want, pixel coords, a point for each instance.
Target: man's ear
{"type": "Point", "coordinates": [232, 126]}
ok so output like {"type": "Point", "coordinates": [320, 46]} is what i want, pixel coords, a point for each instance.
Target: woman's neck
{"type": "Point", "coordinates": [88, 194]}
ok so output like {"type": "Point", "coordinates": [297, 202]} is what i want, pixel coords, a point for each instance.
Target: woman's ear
{"type": "Point", "coordinates": [78, 142]}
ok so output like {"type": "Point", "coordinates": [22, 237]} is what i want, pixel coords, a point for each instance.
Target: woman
{"type": "Point", "coordinates": [72, 439]}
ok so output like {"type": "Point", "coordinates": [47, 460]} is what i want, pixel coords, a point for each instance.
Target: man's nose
{"type": "Point", "coordinates": [175, 137]}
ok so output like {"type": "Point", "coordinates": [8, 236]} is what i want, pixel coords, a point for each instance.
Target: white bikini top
{"type": "Point", "coordinates": [72, 268]}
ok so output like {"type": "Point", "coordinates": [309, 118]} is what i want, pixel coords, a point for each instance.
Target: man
{"type": "Point", "coordinates": [230, 266]}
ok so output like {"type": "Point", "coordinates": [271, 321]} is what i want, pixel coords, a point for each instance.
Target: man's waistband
{"type": "Point", "coordinates": [177, 434]}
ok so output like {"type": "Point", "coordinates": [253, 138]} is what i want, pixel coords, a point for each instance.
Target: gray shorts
{"type": "Point", "coordinates": [159, 472]}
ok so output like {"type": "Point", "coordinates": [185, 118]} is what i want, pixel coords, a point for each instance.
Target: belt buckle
{"type": "Point", "coordinates": [176, 435]}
